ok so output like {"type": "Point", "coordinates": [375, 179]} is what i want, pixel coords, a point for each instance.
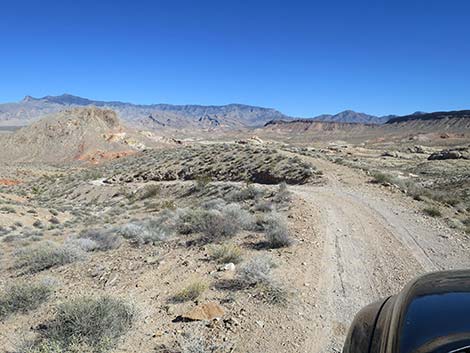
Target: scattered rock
{"type": "Point", "coordinates": [207, 311]}
{"type": "Point", "coordinates": [393, 154]}
{"type": "Point", "coordinates": [228, 267]}
{"type": "Point", "coordinates": [456, 153]}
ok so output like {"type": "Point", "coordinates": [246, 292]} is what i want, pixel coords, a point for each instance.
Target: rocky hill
{"type": "Point", "coordinates": [83, 134]}
{"type": "Point", "coordinates": [154, 116]}
{"type": "Point", "coordinates": [350, 116]}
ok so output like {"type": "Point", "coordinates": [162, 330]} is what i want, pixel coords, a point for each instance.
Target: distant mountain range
{"type": "Point", "coordinates": [161, 116]}
{"type": "Point", "coordinates": [350, 116]}
{"type": "Point", "coordinates": [153, 116]}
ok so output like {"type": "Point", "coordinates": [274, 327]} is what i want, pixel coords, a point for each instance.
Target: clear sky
{"type": "Point", "coordinates": [301, 57]}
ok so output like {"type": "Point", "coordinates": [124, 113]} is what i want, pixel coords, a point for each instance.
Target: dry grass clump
{"type": "Point", "coordinates": [226, 253]}
{"type": "Point", "coordinates": [276, 231]}
{"type": "Point", "coordinates": [85, 325]}
{"type": "Point", "coordinates": [23, 297]}
{"type": "Point", "coordinates": [102, 238]}
{"type": "Point", "coordinates": [46, 255]}
{"type": "Point", "coordinates": [191, 292]}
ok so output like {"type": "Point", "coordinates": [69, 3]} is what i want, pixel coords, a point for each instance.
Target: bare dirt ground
{"type": "Point", "coordinates": [355, 242]}
{"type": "Point", "coordinates": [367, 243]}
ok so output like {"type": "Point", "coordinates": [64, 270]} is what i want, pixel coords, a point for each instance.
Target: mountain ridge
{"type": "Point", "coordinates": [351, 116]}
{"type": "Point", "coordinates": [151, 116]}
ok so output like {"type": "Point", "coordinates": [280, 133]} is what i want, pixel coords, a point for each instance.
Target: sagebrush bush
{"type": "Point", "coordinates": [104, 239]}
{"type": "Point", "coordinates": [214, 224]}
{"type": "Point", "coordinates": [283, 195]}
{"type": "Point", "coordinates": [148, 191]}
{"type": "Point", "coordinates": [382, 178]}
{"type": "Point", "coordinates": [255, 271]}
{"type": "Point", "coordinates": [214, 204]}
{"type": "Point", "coordinates": [23, 297]}
{"type": "Point", "coordinates": [45, 256]}
{"type": "Point", "coordinates": [250, 192]}
{"type": "Point", "coordinates": [226, 253]}
{"type": "Point", "coordinates": [273, 293]}
{"type": "Point", "coordinates": [197, 343]}
{"type": "Point", "coordinates": [263, 206]}
{"type": "Point", "coordinates": [242, 218]}
{"type": "Point", "coordinates": [149, 231]}
{"type": "Point", "coordinates": [191, 292]}
{"type": "Point", "coordinates": [276, 231]}
{"type": "Point", "coordinates": [85, 325]}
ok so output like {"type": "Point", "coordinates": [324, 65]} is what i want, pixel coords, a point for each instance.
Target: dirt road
{"type": "Point", "coordinates": [370, 243]}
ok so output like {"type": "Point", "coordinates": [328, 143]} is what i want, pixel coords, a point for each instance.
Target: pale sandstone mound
{"type": "Point", "coordinates": [80, 134]}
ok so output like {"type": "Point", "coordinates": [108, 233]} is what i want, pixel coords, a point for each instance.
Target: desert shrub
{"type": "Point", "coordinates": [149, 231]}
{"type": "Point", "coordinates": [104, 239]}
{"type": "Point", "coordinates": [188, 220]}
{"type": "Point", "coordinates": [432, 211]}
{"type": "Point", "coordinates": [250, 192]}
{"type": "Point", "coordinates": [45, 256]}
{"type": "Point", "coordinates": [38, 224]}
{"type": "Point", "coordinates": [148, 191]}
{"type": "Point", "coordinates": [197, 343]}
{"type": "Point", "coordinates": [273, 293]}
{"type": "Point", "coordinates": [7, 209]}
{"type": "Point", "coordinates": [23, 297]}
{"type": "Point", "coordinates": [263, 206]}
{"type": "Point", "coordinates": [215, 225]}
{"type": "Point", "coordinates": [212, 223]}
{"type": "Point", "coordinates": [191, 292]}
{"type": "Point", "coordinates": [84, 244]}
{"type": "Point", "coordinates": [214, 204]}
{"type": "Point", "coordinates": [276, 231]}
{"type": "Point", "coordinates": [382, 178]}
{"type": "Point", "coordinates": [256, 271]}
{"type": "Point", "coordinates": [202, 181]}
{"type": "Point", "coordinates": [226, 253]}
{"type": "Point", "coordinates": [283, 195]}
{"type": "Point", "coordinates": [54, 220]}
{"type": "Point", "coordinates": [85, 325]}
{"type": "Point", "coordinates": [242, 218]}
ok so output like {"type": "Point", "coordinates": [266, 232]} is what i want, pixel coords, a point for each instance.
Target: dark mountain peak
{"type": "Point", "coordinates": [27, 99]}
{"type": "Point", "coordinates": [68, 99]}
{"type": "Point", "coordinates": [351, 116]}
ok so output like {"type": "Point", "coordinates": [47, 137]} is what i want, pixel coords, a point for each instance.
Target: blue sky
{"type": "Point", "coordinates": [301, 57]}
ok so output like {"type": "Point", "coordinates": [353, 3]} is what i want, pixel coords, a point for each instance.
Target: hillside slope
{"type": "Point", "coordinates": [87, 134]}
